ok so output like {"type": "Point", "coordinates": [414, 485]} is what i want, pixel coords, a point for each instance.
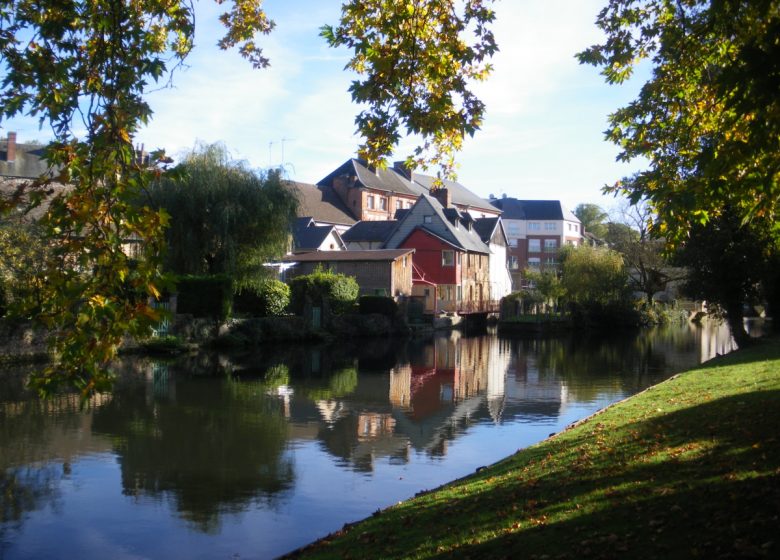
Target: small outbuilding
{"type": "Point", "coordinates": [386, 272]}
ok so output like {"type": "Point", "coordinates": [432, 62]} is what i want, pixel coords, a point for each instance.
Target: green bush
{"type": "Point", "coordinates": [339, 290]}
{"type": "Point", "coordinates": [205, 296]}
{"type": "Point", "coordinates": [378, 304]}
{"type": "Point", "coordinates": [268, 299]}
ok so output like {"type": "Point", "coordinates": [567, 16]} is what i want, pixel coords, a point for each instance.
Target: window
{"type": "Point", "coordinates": [534, 262]}
{"type": "Point", "coordinates": [550, 245]}
{"type": "Point", "coordinates": [534, 246]}
{"type": "Point", "coordinates": [398, 204]}
{"type": "Point", "coordinates": [427, 219]}
{"type": "Point", "coordinates": [576, 228]}
{"type": "Point", "coordinates": [404, 264]}
{"type": "Point", "coordinates": [460, 293]}
{"type": "Point", "coordinates": [408, 204]}
{"type": "Point", "coordinates": [514, 228]}
{"type": "Point", "coordinates": [549, 226]}
{"type": "Point", "coordinates": [448, 258]}
{"type": "Point", "coordinates": [513, 263]}
{"type": "Point", "coordinates": [370, 201]}
{"type": "Point", "coordinates": [551, 261]}
{"type": "Point", "coordinates": [382, 203]}
{"type": "Point", "coordinates": [534, 226]}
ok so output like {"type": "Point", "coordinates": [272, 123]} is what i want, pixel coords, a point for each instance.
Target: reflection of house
{"type": "Point", "coordinates": [536, 230]}
{"type": "Point", "coordinates": [452, 263]}
{"type": "Point", "coordinates": [382, 272]}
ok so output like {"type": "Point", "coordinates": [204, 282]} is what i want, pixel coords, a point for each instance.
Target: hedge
{"type": "Point", "coordinates": [205, 296]}
{"type": "Point", "coordinates": [268, 299]}
{"type": "Point", "coordinates": [339, 290]}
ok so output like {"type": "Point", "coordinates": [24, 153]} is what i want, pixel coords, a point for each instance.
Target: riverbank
{"type": "Point", "coordinates": [688, 468]}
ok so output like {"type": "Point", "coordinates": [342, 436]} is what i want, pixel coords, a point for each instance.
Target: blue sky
{"type": "Point", "coordinates": [542, 137]}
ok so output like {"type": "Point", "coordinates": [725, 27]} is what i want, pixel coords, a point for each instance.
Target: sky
{"type": "Point", "coordinates": [542, 137]}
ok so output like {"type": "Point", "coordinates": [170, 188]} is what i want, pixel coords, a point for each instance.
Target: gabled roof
{"type": "Point", "coordinates": [460, 194]}
{"type": "Point", "coordinates": [387, 180]}
{"type": "Point", "coordinates": [321, 203]}
{"type": "Point", "coordinates": [378, 231]}
{"type": "Point", "coordinates": [310, 238]}
{"type": "Point", "coordinates": [449, 231]}
{"type": "Point", "coordinates": [349, 256]}
{"type": "Point", "coordinates": [485, 228]}
{"type": "Point", "coordinates": [514, 209]}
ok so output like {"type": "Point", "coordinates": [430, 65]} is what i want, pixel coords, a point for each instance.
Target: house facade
{"type": "Point", "coordinates": [377, 272]}
{"type": "Point", "coordinates": [536, 230]}
{"type": "Point", "coordinates": [307, 236]}
{"type": "Point", "coordinates": [451, 262]}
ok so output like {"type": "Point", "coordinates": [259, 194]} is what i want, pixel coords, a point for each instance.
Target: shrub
{"type": "Point", "coordinates": [270, 298]}
{"type": "Point", "coordinates": [339, 290]}
{"type": "Point", "coordinates": [378, 304]}
{"type": "Point", "coordinates": [205, 296]}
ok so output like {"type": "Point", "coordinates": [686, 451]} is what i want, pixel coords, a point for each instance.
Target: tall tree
{"type": "Point", "coordinates": [708, 120]}
{"type": "Point", "coordinates": [730, 264]}
{"type": "Point", "coordinates": [87, 65]}
{"type": "Point", "coordinates": [593, 218]}
{"type": "Point", "coordinates": [629, 234]}
{"type": "Point", "coordinates": [224, 217]}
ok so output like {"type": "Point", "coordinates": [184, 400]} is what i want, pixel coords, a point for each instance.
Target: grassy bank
{"type": "Point", "coordinates": [689, 468]}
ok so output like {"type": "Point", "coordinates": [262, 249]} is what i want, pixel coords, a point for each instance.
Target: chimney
{"type": "Point", "coordinates": [442, 194]}
{"type": "Point", "coordinates": [10, 153]}
{"type": "Point", "coordinates": [404, 170]}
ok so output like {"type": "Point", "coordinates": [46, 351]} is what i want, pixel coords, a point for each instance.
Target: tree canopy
{"type": "Point", "coordinates": [708, 119]}
{"type": "Point", "coordinates": [224, 217]}
{"type": "Point", "coordinates": [593, 219]}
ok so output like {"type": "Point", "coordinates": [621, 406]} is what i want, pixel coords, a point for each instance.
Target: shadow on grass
{"type": "Point", "coordinates": [703, 481]}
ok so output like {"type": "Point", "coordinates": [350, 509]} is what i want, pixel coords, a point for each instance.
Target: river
{"type": "Point", "coordinates": [252, 455]}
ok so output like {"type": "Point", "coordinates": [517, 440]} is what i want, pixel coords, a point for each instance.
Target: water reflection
{"type": "Point", "coordinates": [271, 437]}
{"type": "Point", "coordinates": [214, 446]}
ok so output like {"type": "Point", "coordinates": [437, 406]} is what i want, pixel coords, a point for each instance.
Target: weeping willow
{"type": "Point", "coordinates": [224, 218]}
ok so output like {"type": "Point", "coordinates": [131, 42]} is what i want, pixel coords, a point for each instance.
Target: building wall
{"type": "Point", "coordinates": [428, 258]}
{"type": "Point", "coordinates": [389, 278]}
{"type": "Point", "coordinates": [357, 199]}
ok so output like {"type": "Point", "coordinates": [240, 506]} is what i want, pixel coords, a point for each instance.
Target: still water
{"type": "Point", "coordinates": [250, 456]}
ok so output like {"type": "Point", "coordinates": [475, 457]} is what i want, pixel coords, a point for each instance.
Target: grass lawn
{"type": "Point", "coordinates": [689, 468]}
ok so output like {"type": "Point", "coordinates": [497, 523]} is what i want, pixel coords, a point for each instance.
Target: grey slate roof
{"type": "Point", "coordinates": [387, 180]}
{"type": "Point", "coordinates": [378, 231]}
{"type": "Point", "coordinates": [485, 228]}
{"type": "Point", "coordinates": [309, 237]}
{"type": "Point", "coordinates": [321, 203]}
{"type": "Point", "coordinates": [345, 256]}
{"type": "Point", "coordinates": [460, 194]}
{"type": "Point", "coordinates": [441, 226]}
{"type": "Point", "coordinates": [514, 209]}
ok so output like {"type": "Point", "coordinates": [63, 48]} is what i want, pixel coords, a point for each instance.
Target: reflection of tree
{"type": "Point", "coordinates": [588, 362]}
{"type": "Point", "coordinates": [216, 450]}
{"type": "Point", "coordinates": [26, 489]}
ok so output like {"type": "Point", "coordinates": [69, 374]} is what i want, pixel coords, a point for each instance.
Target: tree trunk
{"type": "Point", "coordinates": [735, 319]}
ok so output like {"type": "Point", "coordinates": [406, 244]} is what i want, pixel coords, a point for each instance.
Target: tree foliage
{"type": "Point", "coordinates": [593, 274]}
{"type": "Point", "coordinates": [649, 269]}
{"type": "Point", "coordinates": [731, 265]}
{"type": "Point", "coordinates": [83, 68]}
{"type": "Point", "coordinates": [547, 284]}
{"type": "Point", "coordinates": [593, 219]}
{"type": "Point", "coordinates": [708, 120]}
{"type": "Point", "coordinates": [415, 63]}
{"type": "Point", "coordinates": [321, 286]}
{"type": "Point", "coordinates": [224, 217]}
